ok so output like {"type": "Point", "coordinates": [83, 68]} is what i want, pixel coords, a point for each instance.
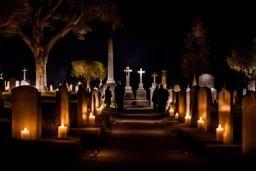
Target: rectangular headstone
{"type": "Point", "coordinates": [26, 112]}
{"type": "Point", "coordinates": [206, 80]}
{"type": "Point", "coordinates": [82, 110]}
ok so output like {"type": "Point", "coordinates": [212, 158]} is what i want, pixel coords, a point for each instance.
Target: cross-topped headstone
{"type": "Point", "coordinates": [127, 70]}
{"type": "Point", "coordinates": [154, 75]}
{"type": "Point", "coordinates": [1, 76]}
{"type": "Point", "coordinates": [164, 78]}
{"type": "Point", "coordinates": [164, 71]}
{"type": "Point", "coordinates": [24, 76]}
{"type": "Point", "coordinates": [141, 72]}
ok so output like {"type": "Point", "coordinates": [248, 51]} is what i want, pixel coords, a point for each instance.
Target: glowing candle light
{"type": "Point", "coordinates": [25, 134]}
{"type": "Point", "coordinates": [219, 134]}
{"type": "Point", "coordinates": [187, 119]}
{"type": "Point", "coordinates": [62, 131]}
{"type": "Point", "coordinates": [177, 115]}
{"type": "Point", "coordinates": [91, 119]}
{"type": "Point", "coordinates": [171, 112]}
{"type": "Point", "coordinates": [99, 111]}
{"type": "Point", "coordinates": [200, 124]}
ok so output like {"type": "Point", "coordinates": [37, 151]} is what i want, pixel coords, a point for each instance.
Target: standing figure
{"type": "Point", "coordinates": [163, 95]}
{"type": "Point", "coordinates": [119, 96]}
{"type": "Point", "coordinates": [155, 98]}
{"type": "Point", "coordinates": [108, 96]}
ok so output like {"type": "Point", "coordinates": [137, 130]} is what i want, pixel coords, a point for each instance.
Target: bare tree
{"type": "Point", "coordinates": [32, 20]}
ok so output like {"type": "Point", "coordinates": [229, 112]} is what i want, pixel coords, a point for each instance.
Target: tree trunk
{"type": "Point", "coordinates": [41, 75]}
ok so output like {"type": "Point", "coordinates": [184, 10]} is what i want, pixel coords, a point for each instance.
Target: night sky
{"type": "Point", "coordinates": [151, 39]}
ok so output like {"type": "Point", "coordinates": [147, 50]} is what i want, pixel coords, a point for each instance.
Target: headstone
{"type": "Point", "coordinates": [2, 83]}
{"type": "Point", "coordinates": [76, 88]}
{"type": "Point", "coordinates": [51, 87]}
{"type": "Point", "coordinates": [214, 95]}
{"type": "Point", "coordinates": [206, 80]}
{"type": "Point", "coordinates": [224, 109]}
{"type": "Point", "coordinates": [24, 82]}
{"type": "Point", "coordinates": [82, 109]}
{"type": "Point", "coordinates": [17, 83]}
{"type": "Point", "coordinates": [204, 106]}
{"type": "Point", "coordinates": [26, 112]}
{"type": "Point", "coordinates": [152, 88]}
{"type": "Point", "coordinates": [176, 88]}
{"type": "Point", "coordinates": [128, 95]}
{"type": "Point", "coordinates": [251, 86]}
{"type": "Point", "coordinates": [164, 78]}
{"type": "Point", "coordinates": [141, 94]}
{"type": "Point", "coordinates": [181, 105]}
{"type": "Point", "coordinates": [62, 103]}
{"type": "Point", "coordinates": [94, 101]}
{"type": "Point", "coordinates": [12, 83]}
{"type": "Point", "coordinates": [170, 98]}
{"type": "Point", "coordinates": [248, 123]}
{"type": "Point", "coordinates": [194, 105]}
{"type": "Point", "coordinates": [194, 82]}
{"type": "Point", "coordinates": [244, 91]}
{"type": "Point", "coordinates": [7, 87]}
{"type": "Point", "coordinates": [70, 87]}
{"type": "Point", "coordinates": [188, 100]}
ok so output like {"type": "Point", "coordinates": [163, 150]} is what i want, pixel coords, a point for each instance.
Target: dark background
{"type": "Point", "coordinates": [151, 39]}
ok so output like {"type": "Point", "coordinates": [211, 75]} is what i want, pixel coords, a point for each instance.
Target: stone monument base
{"type": "Point", "coordinates": [128, 94]}
{"type": "Point", "coordinates": [136, 103]}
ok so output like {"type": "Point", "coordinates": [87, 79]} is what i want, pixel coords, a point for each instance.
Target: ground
{"type": "Point", "coordinates": [142, 142]}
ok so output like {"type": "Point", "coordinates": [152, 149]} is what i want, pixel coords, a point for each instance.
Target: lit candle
{"type": "Point", "coordinates": [200, 124]}
{"type": "Point", "coordinates": [171, 112]}
{"type": "Point", "coordinates": [177, 115]}
{"type": "Point", "coordinates": [25, 135]}
{"type": "Point", "coordinates": [99, 111]}
{"type": "Point", "coordinates": [62, 131]}
{"type": "Point", "coordinates": [219, 134]}
{"type": "Point", "coordinates": [91, 119]}
{"type": "Point", "coordinates": [187, 119]}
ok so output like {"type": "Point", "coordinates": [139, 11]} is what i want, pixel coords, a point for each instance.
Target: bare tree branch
{"type": "Point", "coordinates": [51, 11]}
{"type": "Point", "coordinates": [40, 8]}
{"type": "Point", "coordinates": [26, 39]}
{"type": "Point", "coordinates": [61, 33]}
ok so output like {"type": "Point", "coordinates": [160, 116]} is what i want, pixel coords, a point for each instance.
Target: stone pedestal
{"type": "Point", "coordinates": [128, 94]}
{"type": "Point", "coordinates": [141, 96]}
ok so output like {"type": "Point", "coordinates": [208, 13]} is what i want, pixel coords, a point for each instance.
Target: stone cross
{"type": "Point", "coordinates": [24, 70]}
{"type": "Point", "coordinates": [127, 70]}
{"type": "Point", "coordinates": [154, 77]}
{"type": "Point", "coordinates": [1, 76]}
{"type": "Point", "coordinates": [164, 71]}
{"type": "Point", "coordinates": [141, 72]}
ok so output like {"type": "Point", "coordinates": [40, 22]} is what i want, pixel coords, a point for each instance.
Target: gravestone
{"type": "Point", "coordinates": [206, 80]}
{"type": "Point", "coordinates": [82, 109]}
{"type": "Point", "coordinates": [94, 101]}
{"type": "Point", "coordinates": [141, 94]}
{"type": "Point", "coordinates": [214, 95]}
{"type": "Point", "coordinates": [62, 103]}
{"type": "Point", "coordinates": [51, 88]}
{"type": "Point", "coordinates": [188, 100]}
{"type": "Point", "coordinates": [251, 85]}
{"type": "Point", "coordinates": [12, 83]}
{"type": "Point", "coordinates": [163, 81]}
{"type": "Point", "coordinates": [26, 112]}
{"type": "Point", "coordinates": [170, 98]}
{"type": "Point", "coordinates": [181, 106]}
{"type": "Point", "coordinates": [152, 88]}
{"type": "Point", "coordinates": [17, 83]}
{"type": "Point", "coordinates": [248, 123]}
{"type": "Point", "coordinates": [244, 91]}
{"type": "Point", "coordinates": [225, 119]}
{"type": "Point", "coordinates": [194, 82]}
{"type": "Point", "coordinates": [204, 106]}
{"type": "Point", "coordinates": [194, 105]}
{"type": "Point", "coordinates": [128, 94]}
{"type": "Point", "coordinates": [24, 82]}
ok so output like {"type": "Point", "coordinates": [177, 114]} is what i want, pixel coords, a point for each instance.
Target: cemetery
{"type": "Point", "coordinates": [186, 124]}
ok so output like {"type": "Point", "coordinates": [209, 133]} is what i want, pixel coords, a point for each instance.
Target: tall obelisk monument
{"type": "Point", "coordinates": [110, 79]}
{"type": "Point", "coordinates": [110, 62]}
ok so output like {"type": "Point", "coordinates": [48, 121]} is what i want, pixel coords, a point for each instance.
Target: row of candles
{"type": "Point", "coordinates": [62, 130]}
{"type": "Point", "coordinates": [200, 125]}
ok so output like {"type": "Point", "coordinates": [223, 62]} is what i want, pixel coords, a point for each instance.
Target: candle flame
{"type": "Point", "coordinates": [62, 125]}
{"type": "Point", "coordinates": [201, 119]}
{"type": "Point", "coordinates": [177, 114]}
{"type": "Point", "coordinates": [25, 129]}
{"type": "Point", "coordinates": [219, 126]}
{"type": "Point", "coordinates": [91, 114]}
{"type": "Point", "coordinates": [171, 110]}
